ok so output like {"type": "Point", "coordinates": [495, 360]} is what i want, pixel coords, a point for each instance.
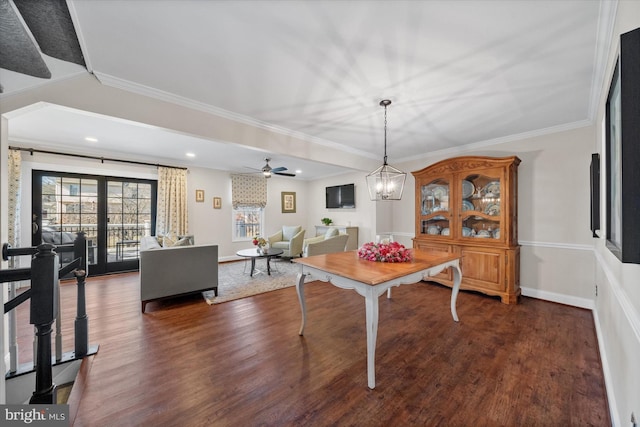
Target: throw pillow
{"type": "Point", "coordinates": [288, 231]}
{"type": "Point", "coordinates": [331, 232]}
{"type": "Point", "coordinates": [148, 243]}
{"type": "Point", "coordinates": [169, 240]}
{"type": "Point", "coordinates": [185, 241]}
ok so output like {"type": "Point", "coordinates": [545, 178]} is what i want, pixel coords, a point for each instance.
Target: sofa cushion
{"type": "Point", "coordinates": [280, 245]}
{"type": "Point", "coordinates": [331, 232]}
{"type": "Point", "coordinates": [149, 242]}
{"type": "Point", "coordinates": [288, 231]}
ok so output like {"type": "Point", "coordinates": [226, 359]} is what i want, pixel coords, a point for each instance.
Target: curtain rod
{"type": "Point", "coordinates": [85, 156]}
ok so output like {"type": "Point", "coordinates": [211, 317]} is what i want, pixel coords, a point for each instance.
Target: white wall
{"type": "Point", "coordinates": [215, 225]}
{"type": "Point", "coordinates": [618, 302]}
{"type": "Point", "coordinates": [362, 216]}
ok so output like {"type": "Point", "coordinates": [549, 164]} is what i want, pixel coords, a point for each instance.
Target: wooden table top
{"type": "Point", "coordinates": [349, 265]}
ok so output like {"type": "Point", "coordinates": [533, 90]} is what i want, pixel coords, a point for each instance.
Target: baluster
{"type": "Point", "coordinates": [82, 320]}
{"type": "Point", "coordinates": [44, 307]}
{"type": "Point", "coordinates": [13, 327]}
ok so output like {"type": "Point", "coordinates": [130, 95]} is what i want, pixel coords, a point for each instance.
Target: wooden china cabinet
{"type": "Point", "coordinates": [469, 206]}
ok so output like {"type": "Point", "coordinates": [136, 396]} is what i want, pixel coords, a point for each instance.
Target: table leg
{"type": "Point", "coordinates": [268, 266]}
{"type": "Point", "coordinates": [303, 306]}
{"type": "Point", "coordinates": [457, 278]}
{"type": "Point", "coordinates": [371, 306]}
{"type": "Point", "coordinates": [253, 266]}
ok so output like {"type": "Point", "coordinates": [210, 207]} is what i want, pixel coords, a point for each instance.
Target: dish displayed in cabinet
{"type": "Point", "coordinates": [467, 189]}
{"type": "Point", "coordinates": [440, 192]}
{"type": "Point", "coordinates": [492, 209]}
{"type": "Point", "coordinates": [433, 229]}
{"type": "Point", "coordinates": [435, 198]}
{"type": "Point", "coordinates": [492, 189]}
{"type": "Point", "coordinates": [467, 206]}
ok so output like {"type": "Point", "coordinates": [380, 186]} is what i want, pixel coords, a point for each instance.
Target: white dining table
{"type": "Point", "coordinates": [370, 279]}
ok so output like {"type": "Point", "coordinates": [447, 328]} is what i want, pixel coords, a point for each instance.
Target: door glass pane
{"type": "Point", "coordinates": [69, 205]}
{"type": "Point", "coordinates": [129, 218]}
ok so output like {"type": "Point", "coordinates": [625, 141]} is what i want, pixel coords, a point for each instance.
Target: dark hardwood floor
{"type": "Point", "coordinates": [242, 363]}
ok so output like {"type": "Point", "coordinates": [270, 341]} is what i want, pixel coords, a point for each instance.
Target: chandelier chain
{"type": "Point", "coordinates": [385, 134]}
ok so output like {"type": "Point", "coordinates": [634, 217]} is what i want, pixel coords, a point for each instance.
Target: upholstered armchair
{"type": "Point", "coordinates": [289, 239]}
{"type": "Point", "coordinates": [324, 245]}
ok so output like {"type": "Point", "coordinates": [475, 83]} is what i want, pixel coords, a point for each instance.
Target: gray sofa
{"type": "Point", "coordinates": [179, 270]}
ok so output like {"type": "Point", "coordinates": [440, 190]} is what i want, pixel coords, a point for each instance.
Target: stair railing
{"type": "Point", "coordinates": [45, 308]}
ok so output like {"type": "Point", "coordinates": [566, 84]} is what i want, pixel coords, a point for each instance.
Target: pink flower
{"type": "Point", "coordinates": [385, 252]}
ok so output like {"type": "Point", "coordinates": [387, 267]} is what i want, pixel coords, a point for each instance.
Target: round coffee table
{"type": "Point", "coordinates": [253, 254]}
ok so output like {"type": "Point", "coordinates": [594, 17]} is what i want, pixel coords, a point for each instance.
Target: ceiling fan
{"type": "Point", "coordinates": [267, 170]}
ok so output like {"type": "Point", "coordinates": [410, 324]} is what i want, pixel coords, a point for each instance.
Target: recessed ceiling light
{"type": "Point", "coordinates": [91, 139]}
{"type": "Point", "coordinates": [298, 171]}
{"type": "Point", "coordinates": [191, 155]}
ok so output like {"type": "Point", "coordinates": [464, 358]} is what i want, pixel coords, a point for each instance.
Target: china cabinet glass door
{"type": "Point", "coordinates": [435, 208]}
{"type": "Point", "coordinates": [480, 206]}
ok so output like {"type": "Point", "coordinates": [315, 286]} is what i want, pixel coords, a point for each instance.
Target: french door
{"type": "Point", "coordinates": [114, 213]}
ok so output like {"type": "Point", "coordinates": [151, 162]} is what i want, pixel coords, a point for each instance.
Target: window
{"type": "Point", "coordinates": [247, 222]}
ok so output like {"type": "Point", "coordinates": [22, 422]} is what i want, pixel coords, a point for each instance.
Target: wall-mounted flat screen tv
{"type": "Point", "coordinates": [341, 196]}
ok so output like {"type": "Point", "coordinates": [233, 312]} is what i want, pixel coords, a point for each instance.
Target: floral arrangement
{"type": "Point", "coordinates": [385, 252]}
{"type": "Point", "coordinates": [259, 241]}
{"type": "Point", "coordinates": [326, 221]}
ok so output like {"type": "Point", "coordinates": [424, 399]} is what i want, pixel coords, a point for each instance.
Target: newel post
{"type": "Point", "coordinates": [44, 309]}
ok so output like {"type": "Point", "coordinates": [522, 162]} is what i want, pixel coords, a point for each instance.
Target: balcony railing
{"type": "Point", "coordinates": [121, 238]}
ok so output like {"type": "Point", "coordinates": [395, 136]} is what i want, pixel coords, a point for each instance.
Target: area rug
{"type": "Point", "coordinates": [234, 281]}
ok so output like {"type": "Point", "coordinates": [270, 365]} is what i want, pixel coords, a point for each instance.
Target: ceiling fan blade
{"type": "Point", "coordinates": [283, 173]}
{"type": "Point", "coordinates": [280, 169]}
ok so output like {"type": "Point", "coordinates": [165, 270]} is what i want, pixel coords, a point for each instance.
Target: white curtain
{"type": "Point", "coordinates": [14, 166]}
{"type": "Point", "coordinates": [171, 216]}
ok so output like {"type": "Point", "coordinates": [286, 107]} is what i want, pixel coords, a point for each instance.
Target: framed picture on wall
{"type": "Point", "coordinates": [288, 200]}
{"type": "Point", "coordinates": [199, 196]}
{"type": "Point", "coordinates": [623, 152]}
{"type": "Point", "coordinates": [217, 203]}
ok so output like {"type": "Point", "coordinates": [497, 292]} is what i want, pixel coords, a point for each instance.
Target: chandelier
{"type": "Point", "coordinates": [386, 182]}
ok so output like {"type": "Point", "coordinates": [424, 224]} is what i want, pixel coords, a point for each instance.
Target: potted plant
{"type": "Point", "coordinates": [327, 221]}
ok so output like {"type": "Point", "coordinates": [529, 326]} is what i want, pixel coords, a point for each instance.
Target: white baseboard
{"type": "Point", "coordinates": [613, 409]}
{"type": "Point", "coordinates": [559, 298]}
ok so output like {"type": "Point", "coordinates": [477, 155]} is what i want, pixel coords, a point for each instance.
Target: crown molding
{"type": "Point", "coordinates": [150, 92]}
{"type": "Point", "coordinates": [502, 140]}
